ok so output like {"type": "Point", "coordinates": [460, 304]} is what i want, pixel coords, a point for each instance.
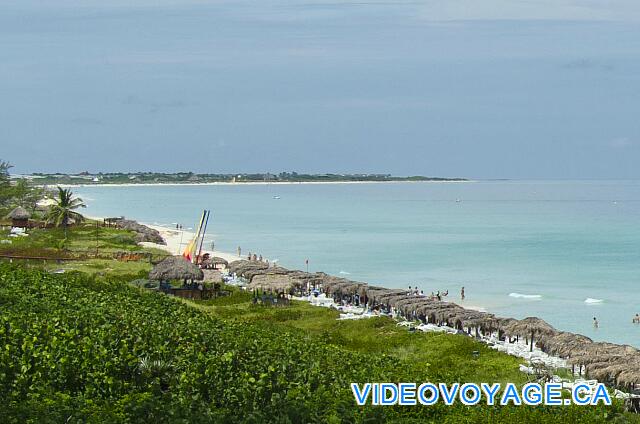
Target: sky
{"type": "Point", "coordinates": [546, 89]}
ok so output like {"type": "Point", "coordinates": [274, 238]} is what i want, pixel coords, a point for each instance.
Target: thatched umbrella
{"type": "Point", "coordinates": [530, 326]}
{"type": "Point", "coordinates": [609, 368]}
{"type": "Point", "coordinates": [175, 268]}
{"type": "Point", "coordinates": [607, 371]}
{"type": "Point", "coordinates": [19, 213]}
{"type": "Point", "coordinates": [599, 352]}
{"type": "Point", "coordinates": [19, 217]}
{"type": "Point", "coordinates": [377, 294]}
{"type": "Point", "coordinates": [217, 260]}
{"type": "Point", "coordinates": [476, 319]}
{"type": "Point", "coordinates": [243, 267]}
{"type": "Point", "coordinates": [565, 344]}
{"type": "Point", "coordinates": [410, 303]}
{"type": "Point", "coordinates": [630, 377]}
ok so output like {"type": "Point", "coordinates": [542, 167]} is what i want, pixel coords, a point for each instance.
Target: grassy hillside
{"type": "Point", "coordinates": [83, 243]}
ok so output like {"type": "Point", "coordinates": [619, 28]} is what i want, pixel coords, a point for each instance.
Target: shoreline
{"type": "Point", "coordinates": [550, 347]}
{"type": "Point", "coordinates": [175, 240]}
{"type": "Point", "coordinates": [529, 338]}
{"type": "Point", "coordinates": [221, 183]}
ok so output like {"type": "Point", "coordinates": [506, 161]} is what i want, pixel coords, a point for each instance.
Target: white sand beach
{"type": "Point", "coordinates": [259, 183]}
{"type": "Point", "coordinates": [177, 239]}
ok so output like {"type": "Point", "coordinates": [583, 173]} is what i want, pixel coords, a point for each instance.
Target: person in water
{"type": "Point", "coordinates": [462, 293]}
{"type": "Point", "coordinates": [595, 323]}
{"type": "Point", "coordinates": [636, 319]}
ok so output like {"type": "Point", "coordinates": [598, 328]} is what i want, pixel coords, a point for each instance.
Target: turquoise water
{"type": "Point", "coordinates": [558, 243]}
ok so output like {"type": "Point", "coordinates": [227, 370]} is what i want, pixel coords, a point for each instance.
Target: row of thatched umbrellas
{"type": "Point", "coordinates": [607, 362]}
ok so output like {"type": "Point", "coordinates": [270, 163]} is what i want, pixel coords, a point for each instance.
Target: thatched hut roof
{"type": "Point", "coordinates": [608, 371]}
{"type": "Point", "coordinates": [217, 260]}
{"type": "Point", "coordinates": [565, 344]}
{"type": "Point", "coordinates": [601, 352]}
{"type": "Point", "coordinates": [242, 266]}
{"type": "Point", "coordinates": [19, 213]}
{"type": "Point", "coordinates": [529, 325]}
{"type": "Point", "coordinates": [629, 377]}
{"type": "Point", "coordinates": [410, 303]}
{"type": "Point", "coordinates": [378, 294]}
{"type": "Point", "coordinates": [175, 268]}
{"type": "Point", "coordinates": [476, 319]}
{"type": "Point", "coordinates": [274, 282]}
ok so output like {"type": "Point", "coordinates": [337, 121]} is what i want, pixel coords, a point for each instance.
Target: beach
{"type": "Point", "coordinates": [562, 251]}
{"type": "Point", "coordinates": [177, 240]}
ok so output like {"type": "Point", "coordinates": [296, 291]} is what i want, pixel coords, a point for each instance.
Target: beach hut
{"type": "Point", "coordinates": [530, 327]}
{"type": "Point", "coordinates": [175, 268]}
{"type": "Point", "coordinates": [19, 217]}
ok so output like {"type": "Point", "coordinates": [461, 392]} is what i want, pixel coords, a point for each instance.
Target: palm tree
{"type": "Point", "coordinates": [64, 209]}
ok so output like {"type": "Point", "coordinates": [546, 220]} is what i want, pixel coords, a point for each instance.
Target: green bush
{"type": "Point", "coordinates": [77, 349]}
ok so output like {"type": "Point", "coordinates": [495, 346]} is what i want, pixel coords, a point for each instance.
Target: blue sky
{"type": "Point", "coordinates": [491, 89]}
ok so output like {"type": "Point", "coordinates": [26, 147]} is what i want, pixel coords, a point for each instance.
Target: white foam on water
{"type": "Point", "coordinates": [592, 301]}
{"type": "Point", "coordinates": [526, 296]}
{"type": "Point", "coordinates": [344, 273]}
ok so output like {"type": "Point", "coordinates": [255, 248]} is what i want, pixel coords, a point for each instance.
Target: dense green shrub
{"type": "Point", "coordinates": [74, 349]}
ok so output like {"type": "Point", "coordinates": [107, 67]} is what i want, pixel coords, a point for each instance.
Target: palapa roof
{"type": "Point", "coordinates": [243, 267]}
{"type": "Point", "coordinates": [608, 371]}
{"type": "Point", "coordinates": [274, 282]}
{"type": "Point", "coordinates": [175, 268]}
{"type": "Point", "coordinates": [629, 377]}
{"type": "Point", "coordinates": [19, 213]}
{"type": "Point", "coordinates": [595, 352]}
{"type": "Point", "coordinates": [217, 260]}
{"type": "Point", "coordinates": [526, 326]}
{"type": "Point", "coordinates": [565, 344]}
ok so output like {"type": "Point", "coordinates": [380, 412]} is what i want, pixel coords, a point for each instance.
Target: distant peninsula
{"type": "Point", "coordinates": [88, 178]}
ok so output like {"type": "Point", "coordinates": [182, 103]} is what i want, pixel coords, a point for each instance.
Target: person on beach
{"type": "Point", "coordinates": [462, 293]}
{"type": "Point", "coordinates": [260, 258]}
{"type": "Point", "coordinates": [595, 323]}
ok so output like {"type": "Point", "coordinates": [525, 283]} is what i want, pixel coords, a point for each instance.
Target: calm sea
{"type": "Point", "coordinates": [566, 251]}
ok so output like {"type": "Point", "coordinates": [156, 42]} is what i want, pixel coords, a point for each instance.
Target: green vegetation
{"type": "Point", "coordinates": [79, 349]}
{"type": "Point", "coordinates": [88, 247]}
{"type": "Point", "coordinates": [190, 177]}
{"type": "Point", "coordinates": [64, 209]}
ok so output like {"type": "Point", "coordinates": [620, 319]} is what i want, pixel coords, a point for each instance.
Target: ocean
{"type": "Point", "coordinates": [565, 251]}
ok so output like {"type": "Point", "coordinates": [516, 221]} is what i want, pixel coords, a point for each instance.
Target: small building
{"type": "Point", "coordinates": [19, 217]}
